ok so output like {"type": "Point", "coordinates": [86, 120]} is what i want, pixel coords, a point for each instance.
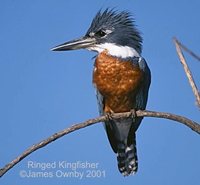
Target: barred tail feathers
{"type": "Point", "coordinates": [127, 158]}
{"type": "Point", "coordinates": [121, 134]}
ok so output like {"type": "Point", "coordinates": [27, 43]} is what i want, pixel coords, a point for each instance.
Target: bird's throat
{"type": "Point", "coordinates": [115, 50]}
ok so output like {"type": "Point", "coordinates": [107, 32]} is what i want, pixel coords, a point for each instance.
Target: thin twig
{"type": "Point", "coordinates": [191, 124]}
{"type": "Point", "coordinates": [187, 71]}
{"type": "Point", "coordinates": [188, 50]}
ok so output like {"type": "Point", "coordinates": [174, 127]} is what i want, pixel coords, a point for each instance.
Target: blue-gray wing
{"type": "Point", "coordinates": [100, 101]}
{"type": "Point", "coordinates": [142, 95]}
{"type": "Point", "coordinates": [108, 125]}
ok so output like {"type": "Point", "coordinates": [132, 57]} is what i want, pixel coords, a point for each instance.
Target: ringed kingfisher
{"type": "Point", "coordinates": [121, 77]}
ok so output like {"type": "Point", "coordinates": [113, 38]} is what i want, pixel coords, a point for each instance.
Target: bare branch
{"type": "Point", "coordinates": [187, 71]}
{"type": "Point", "coordinates": [188, 50]}
{"type": "Point", "coordinates": [140, 113]}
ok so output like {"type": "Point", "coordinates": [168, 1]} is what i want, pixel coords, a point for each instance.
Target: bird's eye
{"type": "Point", "coordinates": [100, 33]}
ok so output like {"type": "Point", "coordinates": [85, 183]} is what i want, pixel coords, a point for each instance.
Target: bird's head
{"type": "Point", "coordinates": [112, 31]}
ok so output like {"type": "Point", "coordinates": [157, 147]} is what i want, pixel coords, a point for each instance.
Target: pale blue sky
{"type": "Point", "coordinates": [43, 92]}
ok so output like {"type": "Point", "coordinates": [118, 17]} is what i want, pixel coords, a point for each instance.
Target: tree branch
{"type": "Point", "coordinates": [187, 71]}
{"type": "Point", "coordinates": [189, 123]}
{"type": "Point", "coordinates": [188, 50]}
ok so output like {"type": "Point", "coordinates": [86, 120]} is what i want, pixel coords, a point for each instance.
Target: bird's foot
{"type": "Point", "coordinates": [133, 114]}
{"type": "Point", "coordinates": [109, 115]}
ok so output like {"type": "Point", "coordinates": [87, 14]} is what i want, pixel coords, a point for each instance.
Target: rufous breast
{"type": "Point", "coordinates": [118, 82]}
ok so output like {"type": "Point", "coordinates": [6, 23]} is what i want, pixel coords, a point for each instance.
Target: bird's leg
{"type": "Point", "coordinates": [109, 113]}
{"type": "Point", "coordinates": [133, 114]}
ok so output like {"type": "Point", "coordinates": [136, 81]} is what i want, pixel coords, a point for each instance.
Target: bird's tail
{"type": "Point", "coordinates": [127, 157]}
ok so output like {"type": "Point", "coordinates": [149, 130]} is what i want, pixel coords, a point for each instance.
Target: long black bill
{"type": "Point", "coordinates": [81, 43]}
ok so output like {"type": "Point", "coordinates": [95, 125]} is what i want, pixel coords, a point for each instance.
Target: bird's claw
{"type": "Point", "coordinates": [109, 116]}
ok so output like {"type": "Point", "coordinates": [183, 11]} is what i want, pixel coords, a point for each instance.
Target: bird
{"type": "Point", "coordinates": [121, 78]}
